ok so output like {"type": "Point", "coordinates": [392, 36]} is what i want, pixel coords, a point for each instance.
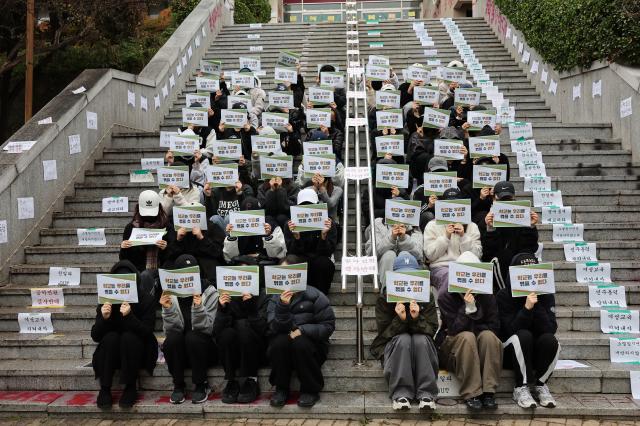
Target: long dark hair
{"type": "Point", "coordinates": [156, 222]}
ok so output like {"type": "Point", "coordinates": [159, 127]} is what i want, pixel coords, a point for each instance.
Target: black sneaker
{"type": "Point", "coordinates": [129, 397]}
{"type": "Point", "coordinates": [230, 392]}
{"type": "Point", "coordinates": [279, 398]}
{"type": "Point", "coordinates": [104, 400]}
{"type": "Point", "coordinates": [489, 402]}
{"type": "Point", "coordinates": [200, 393]}
{"type": "Point", "coordinates": [249, 391]}
{"type": "Point", "coordinates": [177, 396]}
{"type": "Point", "coordinates": [308, 399]}
{"type": "Point", "coordinates": [473, 403]}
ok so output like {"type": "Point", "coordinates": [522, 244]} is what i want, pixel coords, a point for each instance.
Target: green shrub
{"type": "Point", "coordinates": [180, 9]}
{"type": "Point", "coordinates": [575, 33]}
{"type": "Point", "coordinates": [251, 11]}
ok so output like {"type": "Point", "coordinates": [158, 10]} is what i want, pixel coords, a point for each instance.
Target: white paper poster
{"type": "Point", "coordinates": [309, 217]}
{"type": "Point", "coordinates": [625, 108]}
{"type": "Point", "coordinates": [477, 277]}
{"type": "Point", "coordinates": [488, 175]}
{"type": "Point", "coordinates": [278, 279]}
{"type": "Point", "coordinates": [173, 175]}
{"type": "Point", "coordinates": [32, 322]}
{"type": "Point", "coordinates": [62, 275]}
{"type": "Point", "coordinates": [91, 237]}
{"type": "Point", "coordinates": [538, 278]}
{"type": "Point", "coordinates": [324, 165]}
{"type": "Point", "coordinates": [190, 217]}
{"type": "Point", "coordinates": [596, 88]}
{"type": "Point", "coordinates": [92, 120]}
{"type": "Point", "coordinates": [4, 232]}
{"type": "Point", "coordinates": [117, 288]}
{"type": "Point", "coordinates": [580, 252]}
{"type": "Point", "coordinates": [566, 232]}
{"type": "Point", "coordinates": [607, 295]}
{"type": "Point", "coordinates": [359, 265]}
{"type": "Point", "coordinates": [26, 209]}
{"type": "Point", "coordinates": [390, 175]}
{"type": "Point", "coordinates": [615, 321]}
{"type": "Point", "coordinates": [74, 144]}
{"type": "Point", "coordinates": [553, 214]}
{"type": "Point", "coordinates": [47, 297]}
{"type": "Point", "coordinates": [537, 183]}
{"type": "Point", "coordinates": [50, 170]}
{"type": "Point", "coordinates": [183, 282]}
{"type": "Point", "coordinates": [593, 272]}
{"type": "Point", "coordinates": [402, 212]}
{"type": "Point", "coordinates": [453, 211]}
{"type": "Point", "coordinates": [146, 236]}
{"type": "Point", "coordinates": [624, 349]}
{"type": "Point", "coordinates": [276, 166]}
{"type": "Point", "coordinates": [508, 214]}
{"type": "Point", "coordinates": [238, 280]}
{"type": "Point", "coordinates": [449, 149]}
{"type": "Point", "coordinates": [247, 223]}
{"type": "Point", "coordinates": [405, 286]}
{"type": "Point", "coordinates": [151, 163]}
{"type": "Point", "coordinates": [547, 198]}
{"type": "Point", "coordinates": [115, 205]}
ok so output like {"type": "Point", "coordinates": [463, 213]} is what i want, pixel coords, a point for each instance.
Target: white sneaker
{"type": "Point", "coordinates": [401, 404]}
{"type": "Point", "coordinates": [544, 397]}
{"type": "Point", "coordinates": [427, 404]}
{"type": "Point", "coordinates": [523, 397]}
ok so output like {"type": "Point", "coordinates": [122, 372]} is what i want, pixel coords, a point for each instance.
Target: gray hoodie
{"type": "Point", "coordinates": [202, 317]}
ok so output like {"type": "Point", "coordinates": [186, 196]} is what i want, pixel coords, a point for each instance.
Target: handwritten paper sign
{"type": "Point", "coordinates": [453, 211]}
{"type": "Point", "coordinates": [487, 175]}
{"type": "Point", "coordinates": [484, 146]}
{"type": "Point", "coordinates": [276, 166]}
{"type": "Point", "coordinates": [389, 175]}
{"type": "Point", "coordinates": [521, 145]}
{"type": "Point", "coordinates": [537, 183]}
{"type": "Point", "coordinates": [554, 214]}
{"type": "Point", "coordinates": [117, 288]}
{"type": "Point", "coordinates": [390, 144]}
{"type": "Point", "coordinates": [547, 198]}
{"type": "Point", "coordinates": [265, 143]}
{"type": "Point", "coordinates": [222, 175]}
{"type": "Point", "coordinates": [402, 212]}
{"type": "Point", "coordinates": [593, 272]}
{"type": "Point", "coordinates": [580, 252]}
{"type": "Point", "coordinates": [115, 205]}
{"type": "Point", "coordinates": [607, 295]}
{"type": "Point", "coordinates": [238, 280]}
{"type": "Point", "coordinates": [389, 119]}
{"type": "Point", "coordinates": [233, 118]}
{"type": "Point", "coordinates": [509, 214]}
{"type": "Point", "coordinates": [324, 165]}
{"type": "Point", "coordinates": [538, 278]}
{"type": "Point", "coordinates": [532, 169]}
{"type": "Point", "coordinates": [26, 208]}
{"type": "Point", "coordinates": [619, 321]}
{"type": "Point", "coordinates": [359, 265]}
{"type": "Point", "coordinates": [448, 385]}
{"type": "Point", "coordinates": [61, 275]}
{"type": "Point", "coordinates": [523, 157]}
{"type": "Point", "coordinates": [151, 163]}
{"type": "Point", "coordinates": [247, 222]}
{"type": "Point", "coordinates": [31, 322]}
{"type": "Point", "coordinates": [477, 277]}
{"type": "Point", "coordinates": [450, 149]}
{"type": "Point", "coordinates": [321, 147]}
{"type": "Point", "coordinates": [317, 117]}
{"type": "Point", "coordinates": [91, 237]}
{"type": "Point", "coordinates": [146, 236]}
{"type": "Point", "coordinates": [426, 95]}
{"type": "Point", "coordinates": [566, 232]}
{"type": "Point", "coordinates": [624, 349]}
{"type": "Point", "coordinates": [406, 286]}
{"type": "Point", "coordinates": [519, 129]}
{"type": "Point", "coordinates": [278, 279]}
{"type": "Point", "coordinates": [435, 118]}
{"type": "Point", "coordinates": [173, 175]}
{"type": "Point", "coordinates": [47, 297]}
{"type": "Point", "coordinates": [309, 217]}
{"type": "Point", "coordinates": [189, 217]}
{"type": "Point", "coordinates": [183, 282]}
{"type": "Point", "coordinates": [435, 183]}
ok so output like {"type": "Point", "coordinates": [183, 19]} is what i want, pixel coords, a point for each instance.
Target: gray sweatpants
{"type": "Point", "coordinates": [385, 263]}
{"type": "Point", "coordinates": [411, 366]}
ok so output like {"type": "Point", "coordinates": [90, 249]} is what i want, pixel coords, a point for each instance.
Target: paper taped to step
{"type": "Point", "coordinates": [47, 297]}
{"type": "Point", "coordinates": [115, 205]}
{"type": "Point", "coordinates": [448, 385]}
{"type": "Point", "coordinates": [580, 252]}
{"type": "Point", "coordinates": [593, 272]}
{"type": "Point", "coordinates": [567, 232]}
{"type": "Point", "coordinates": [357, 173]}
{"type": "Point", "coordinates": [569, 364]}
{"type": "Point", "coordinates": [362, 265]}
{"type": "Point", "coordinates": [624, 349]}
{"type": "Point", "coordinates": [615, 321]}
{"type": "Point", "coordinates": [607, 296]}
{"type": "Point", "coordinates": [62, 275]}
{"type": "Point", "coordinates": [32, 322]}
{"type": "Point", "coordinates": [91, 237]}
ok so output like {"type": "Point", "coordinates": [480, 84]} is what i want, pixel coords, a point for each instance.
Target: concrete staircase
{"type": "Point", "coordinates": [595, 175]}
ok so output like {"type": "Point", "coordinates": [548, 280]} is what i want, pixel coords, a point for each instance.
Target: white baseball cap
{"type": "Point", "coordinates": [148, 203]}
{"type": "Point", "coordinates": [307, 195]}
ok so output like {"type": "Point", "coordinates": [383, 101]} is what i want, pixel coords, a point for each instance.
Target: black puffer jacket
{"type": "Point", "coordinates": [504, 243]}
{"type": "Point", "coordinates": [514, 316]}
{"type": "Point", "coordinates": [252, 311]}
{"type": "Point", "coordinates": [308, 310]}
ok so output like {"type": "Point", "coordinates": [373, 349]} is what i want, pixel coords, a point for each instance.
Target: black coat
{"type": "Point", "coordinates": [504, 243]}
{"type": "Point", "coordinates": [310, 244]}
{"type": "Point", "coordinates": [252, 311]}
{"type": "Point", "coordinates": [138, 254]}
{"type": "Point", "coordinates": [514, 316]}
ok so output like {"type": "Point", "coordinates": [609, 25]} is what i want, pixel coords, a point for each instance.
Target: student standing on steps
{"type": "Point", "coordinates": [301, 324]}
{"type": "Point", "coordinates": [528, 327]}
{"type": "Point", "coordinates": [124, 334]}
{"type": "Point", "coordinates": [471, 348]}
{"type": "Point", "coordinates": [405, 347]}
{"type": "Point", "coordinates": [188, 326]}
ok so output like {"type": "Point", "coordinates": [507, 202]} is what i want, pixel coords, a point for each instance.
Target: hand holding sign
{"type": "Point", "coordinates": [532, 299]}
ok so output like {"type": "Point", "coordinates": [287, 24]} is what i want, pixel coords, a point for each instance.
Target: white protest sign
{"type": "Point", "coordinates": [488, 175]}
{"type": "Point", "coordinates": [377, 72]}
{"type": "Point", "coordinates": [204, 99]}
{"type": "Point", "coordinates": [389, 119]}
{"type": "Point", "coordinates": [508, 214]}
{"type": "Point", "coordinates": [390, 144]}
{"type": "Point", "coordinates": [406, 286]}
{"type": "Point", "coordinates": [115, 204]}
{"type": "Point", "coordinates": [450, 75]}
{"type": "Point", "coordinates": [417, 73]}
{"type": "Point", "coordinates": [522, 144]}
{"type": "Point", "coordinates": [478, 119]}
{"type": "Point", "coordinates": [189, 217]}
{"type": "Point", "coordinates": [566, 232]}
{"type": "Point", "coordinates": [615, 321]}
{"type": "Point", "coordinates": [467, 97]}
{"type": "Point", "coordinates": [321, 147]}
{"type": "Point", "coordinates": [576, 91]}
{"type": "Point", "coordinates": [173, 175]}
{"type": "Point", "coordinates": [332, 79]}
{"type": "Point", "coordinates": [528, 157]}
{"type": "Point", "coordinates": [256, 48]}
{"type": "Point", "coordinates": [449, 149]}
{"type": "Point", "coordinates": [165, 138]}
{"type": "Point", "coordinates": [281, 99]}
{"type": "Point", "coordinates": [211, 66]}
{"type": "Point", "coordinates": [208, 83]}
{"type": "Point", "coordinates": [222, 175]}
{"type": "Point", "coordinates": [246, 223]}
{"type": "Point", "coordinates": [596, 88]}
{"type": "Point", "coordinates": [26, 208]}
{"type": "Point", "coordinates": [402, 212]}
{"type": "Point", "coordinates": [484, 146]}
{"type": "Point", "coordinates": [183, 282]}
{"type": "Point", "coordinates": [31, 322]}
{"type": "Point", "coordinates": [276, 166]}
{"type": "Point", "coordinates": [92, 120]}
{"type": "Point", "coordinates": [547, 198]}
{"type": "Point", "coordinates": [534, 67]}
{"type": "Point", "coordinates": [357, 173]}
{"type": "Point", "coordinates": [146, 236]}
{"type": "Point", "coordinates": [538, 278]}
{"type": "Point", "coordinates": [324, 165]}
{"type": "Point", "coordinates": [317, 117]}
{"type": "Point", "coordinates": [184, 145]}
{"type": "Point", "coordinates": [278, 279]}
{"type": "Point", "coordinates": [277, 120]}
{"type": "Point", "coordinates": [537, 183]}
{"type": "Point", "coordinates": [233, 118]}
{"type": "Point", "coordinates": [251, 62]}
{"type": "Point", "coordinates": [131, 98]}
{"type": "Point", "coordinates": [387, 99]}
{"type": "Point", "coordinates": [593, 272]}
{"type": "Point", "coordinates": [50, 170]}
{"type": "Point", "coordinates": [626, 108]}
{"type": "Point", "coordinates": [91, 237]}
{"type": "Point", "coordinates": [378, 60]}
{"type": "Point", "coordinates": [62, 275]}
{"type": "Point", "coordinates": [265, 143]}
{"type": "Point", "coordinates": [553, 86]}
{"type": "Point", "coordinates": [320, 95]}
{"type": "Point", "coordinates": [289, 58]}
{"type": "Point", "coordinates": [309, 217]}
{"type": "Point", "coordinates": [143, 103]}
{"type": "Point", "coordinates": [624, 349]}
{"type": "Point", "coordinates": [448, 385]}
{"type": "Point", "coordinates": [117, 288]}
{"type": "Point", "coordinates": [435, 183]}
{"type": "Point", "coordinates": [520, 129]}
{"type": "Point", "coordinates": [435, 118]}
{"type": "Point", "coordinates": [389, 175]}
{"type": "Point", "coordinates": [47, 297]}
{"type": "Point", "coordinates": [477, 277]}
{"type": "Point", "coordinates": [141, 176]}
{"type": "Point", "coordinates": [555, 214]}
{"type": "Point", "coordinates": [18, 147]}
{"type": "Point", "coordinates": [453, 211]}
{"type": "Point", "coordinates": [285, 75]}
{"type": "Point", "coordinates": [580, 252]}
{"type": "Point", "coordinates": [195, 116]}
{"type": "Point", "coordinates": [238, 280]}
{"type": "Point", "coordinates": [226, 149]}
{"type": "Point", "coordinates": [607, 295]}
{"type": "Point", "coordinates": [151, 163]}
{"type": "Point", "coordinates": [359, 265]}
{"type": "Point", "coordinates": [4, 232]}
{"type": "Point", "coordinates": [532, 169]}
{"type": "Point", "coordinates": [427, 96]}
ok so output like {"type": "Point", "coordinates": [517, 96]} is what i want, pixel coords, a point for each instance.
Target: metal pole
{"type": "Point", "coordinates": [359, 283]}
{"type": "Point", "coordinates": [28, 80]}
